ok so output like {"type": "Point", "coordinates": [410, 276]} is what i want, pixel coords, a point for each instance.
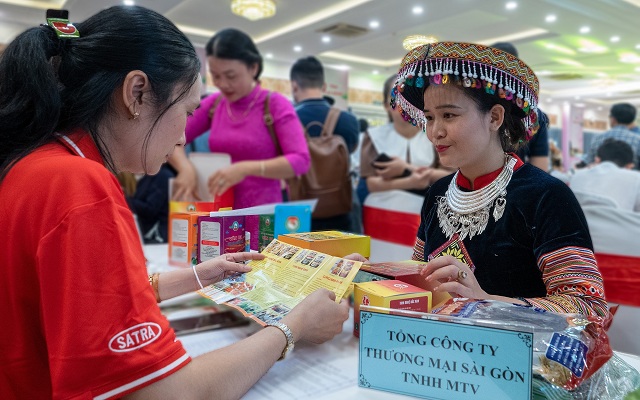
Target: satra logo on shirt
{"type": "Point", "coordinates": [135, 337]}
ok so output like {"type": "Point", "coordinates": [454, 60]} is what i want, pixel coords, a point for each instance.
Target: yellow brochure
{"type": "Point", "coordinates": [283, 279]}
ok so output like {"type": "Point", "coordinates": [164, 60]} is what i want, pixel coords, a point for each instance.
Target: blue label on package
{"type": "Point", "coordinates": [569, 352]}
{"type": "Point", "coordinates": [443, 360]}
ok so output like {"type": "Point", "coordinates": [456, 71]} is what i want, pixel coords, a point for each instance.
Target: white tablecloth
{"type": "Point", "coordinates": [327, 371]}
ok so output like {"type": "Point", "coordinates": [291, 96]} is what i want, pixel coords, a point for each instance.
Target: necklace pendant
{"type": "Point", "coordinates": [498, 208]}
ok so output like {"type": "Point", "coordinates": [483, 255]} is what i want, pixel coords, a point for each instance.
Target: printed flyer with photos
{"type": "Point", "coordinates": [281, 280]}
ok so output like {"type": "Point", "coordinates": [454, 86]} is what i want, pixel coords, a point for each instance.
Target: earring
{"type": "Point", "coordinates": [135, 114]}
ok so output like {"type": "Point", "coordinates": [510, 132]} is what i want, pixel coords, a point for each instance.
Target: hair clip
{"type": "Point", "coordinates": [58, 20]}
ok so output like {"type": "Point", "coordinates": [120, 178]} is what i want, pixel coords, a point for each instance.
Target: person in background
{"type": "Point", "coordinates": [150, 203]}
{"type": "Point", "coordinates": [621, 118]}
{"type": "Point", "coordinates": [536, 151]}
{"type": "Point", "coordinates": [307, 87]}
{"type": "Point", "coordinates": [498, 228]}
{"type": "Point", "coordinates": [411, 162]}
{"type": "Point", "coordinates": [612, 176]}
{"type": "Point", "coordinates": [84, 319]}
{"type": "Point", "coordinates": [236, 118]}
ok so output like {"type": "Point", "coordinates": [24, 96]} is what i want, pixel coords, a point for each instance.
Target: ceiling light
{"type": "Point", "coordinates": [600, 108]}
{"type": "Point", "coordinates": [375, 72]}
{"type": "Point", "coordinates": [512, 5]}
{"type": "Point", "coordinates": [589, 46]}
{"type": "Point", "coordinates": [609, 94]}
{"type": "Point", "coordinates": [374, 24]}
{"type": "Point", "coordinates": [417, 10]}
{"type": "Point", "coordinates": [577, 97]}
{"type": "Point", "coordinates": [615, 39]}
{"type": "Point", "coordinates": [601, 74]}
{"type": "Point", "coordinates": [638, 47]}
{"type": "Point", "coordinates": [630, 58]}
{"type": "Point", "coordinates": [637, 69]}
{"type": "Point", "coordinates": [567, 61]}
{"type": "Point", "coordinates": [253, 9]}
{"type": "Point", "coordinates": [585, 29]}
{"type": "Point", "coordinates": [560, 49]}
{"type": "Point", "coordinates": [129, 2]}
{"type": "Point", "coordinates": [326, 39]}
{"type": "Point", "coordinates": [297, 49]}
{"type": "Point", "coordinates": [269, 55]}
{"type": "Point", "coordinates": [413, 41]}
{"type": "Point", "coordinates": [544, 72]}
{"type": "Point", "coordinates": [550, 18]}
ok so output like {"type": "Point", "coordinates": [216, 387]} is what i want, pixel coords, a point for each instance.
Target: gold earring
{"type": "Point", "coordinates": [135, 114]}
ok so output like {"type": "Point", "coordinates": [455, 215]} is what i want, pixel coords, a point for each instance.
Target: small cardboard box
{"type": "Point", "coordinates": [183, 238]}
{"type": "Point", "coordinates": [405, 271]}
{"type": "Point", "coordinates": [220, 235]}
{"type": "Point", "coordinates": [334, 243]}
{"type": "Point", "coordinates": [391, 294]}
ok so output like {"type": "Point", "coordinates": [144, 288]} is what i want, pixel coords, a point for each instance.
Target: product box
{"type": "Point", "coordinates": [291, 218]}
{"type": "Point", "coordinates": [183, 238]}
{"type": "Point", "coordinates": [335, 243]}
{"type": "Point", "coordinates": [252, 231]}
{"type": "Point", "coordinates": [391, 294]}
{"type": "Point", "coordinates": [265, 232]}
{"type": "Point", "coordinates": [405, 271]}
{"type": "Point", "coordinates": [220, 235]}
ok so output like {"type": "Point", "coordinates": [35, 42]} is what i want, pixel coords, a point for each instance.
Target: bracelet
{"type": "Point", "coordinates": [153, 281]}
{"type": "Point", "coordinates": [262, 168]}
{"type": "Point", "coordinates": [193, 267]}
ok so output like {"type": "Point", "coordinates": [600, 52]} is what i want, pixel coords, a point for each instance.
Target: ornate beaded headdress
{"type": "Point", "coordinates": [470, 65]}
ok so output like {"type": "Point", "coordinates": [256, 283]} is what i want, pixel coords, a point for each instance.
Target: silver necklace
{"type": "Point", "coordinates": [467, 213]}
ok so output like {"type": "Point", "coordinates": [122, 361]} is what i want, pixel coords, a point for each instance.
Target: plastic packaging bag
{"type": "Point", "coordinates": [567, 348]}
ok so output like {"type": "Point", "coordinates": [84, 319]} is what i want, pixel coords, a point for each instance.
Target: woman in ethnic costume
{"type": "Point", "coordinates": [498, 228]}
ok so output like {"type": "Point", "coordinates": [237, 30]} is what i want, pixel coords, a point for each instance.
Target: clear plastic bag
{"type": "Point", "coordinates": [567, 348]}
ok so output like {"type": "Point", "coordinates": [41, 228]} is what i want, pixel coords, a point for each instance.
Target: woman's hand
{"type": "Point", "coordinates": [225, 178]}
{"type": "Point", "coordinates": [216, 269]}
{"type": "Point", "coordinates": [421, 178]}
{"type": "Point", "coordinates": [318, 317]}
{"type": "Point", "coordinates": [448, 274]}
{"type": "Point", "coordinates": [390, 169]}
{"type": "Point", "coordinates": [185, 185]}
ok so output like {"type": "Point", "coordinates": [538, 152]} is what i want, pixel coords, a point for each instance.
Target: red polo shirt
{"type": "Point", "coordinates": [79, 317]}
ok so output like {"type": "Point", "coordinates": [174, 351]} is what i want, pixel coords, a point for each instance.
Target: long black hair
{"type": "Point", "coordinates": [232, 44]}
{"type": "Point", "coordinates": [50, 85]}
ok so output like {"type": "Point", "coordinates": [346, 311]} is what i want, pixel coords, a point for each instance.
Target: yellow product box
{"type": "Point", "coordinates": [391, 294]}
{"type": "Point", "coordinates": [183, 237]}
{"type": "Point", "coordinates": [334, 243]}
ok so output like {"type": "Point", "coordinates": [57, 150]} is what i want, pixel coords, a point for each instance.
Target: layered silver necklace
{"type": "Point", "coordinates": [467, 213]}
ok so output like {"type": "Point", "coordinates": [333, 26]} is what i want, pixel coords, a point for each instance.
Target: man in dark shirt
{"type": "Point", "coordinates": [536, 151]}
{"type": "Point", "coordinates": [307, 87]}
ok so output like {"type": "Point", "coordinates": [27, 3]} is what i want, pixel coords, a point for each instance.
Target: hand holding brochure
{"type": "Point", "coordinates": [281, 280]}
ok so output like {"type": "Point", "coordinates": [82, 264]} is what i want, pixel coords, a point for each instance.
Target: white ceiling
{"type": "Point", "coordinates": [554, 50]}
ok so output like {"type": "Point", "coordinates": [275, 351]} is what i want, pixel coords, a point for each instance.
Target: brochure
{"type": "Point", "coordinates": [281, 280]}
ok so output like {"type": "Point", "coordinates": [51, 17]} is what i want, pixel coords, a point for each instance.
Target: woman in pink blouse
{"type": "Point", "coordinates": [238, 128]}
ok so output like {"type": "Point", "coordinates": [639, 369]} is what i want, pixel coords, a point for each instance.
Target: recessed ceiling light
{"type": "Point", "coordinates": [601, 74]}
{"type": "Point", "coordinates": [129, 2]}
{"type": "Point", "coordinates": [637, 69]}
{"type": "Point", "coordinates": [550, 18]}
{"type": "Point", "coordinates": [375, 72]}
{"type": "Point", "coordinates": [544, 72]}
{"type": "Point", "coordinates": [269, 55]}
{"type": "Point", "coordinates": [615, 39]}
{"type": "Point", "coordinates": [297, 49]}
{"type": "Point", "coordinates": [600, 108]}
{"type": "Point", "coordinates": [417, 10]}
{"type": "Point", "coordinates": [585, 29]}
{"type": "Point", "coordinates": [581, 105]}
{"type": "Point", "coordinates": [374, 24]}
{"type": "Point", "coordinates": [326, 39]}
{"type": "Point", "coordinates": [609, 94]}
{"type": "Point", "coordinates": [577, 97]}
{"type": "Point", "coordinates": [512, 5]}
{"type": "Point", "coordinates": [638, 47]}
{"type": "Point", "coordinates": [549, 99]}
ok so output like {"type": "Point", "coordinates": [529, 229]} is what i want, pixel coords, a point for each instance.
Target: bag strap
{"type": "Point", "coordinates": [330, 122]}
{"type": "Point", "coordinates": [268, 121]}
{"type": "Point", "coordinates": [212, 110]}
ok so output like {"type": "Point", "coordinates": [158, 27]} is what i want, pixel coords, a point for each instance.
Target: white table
{"type": "Point", "coordinates": [327, 371]}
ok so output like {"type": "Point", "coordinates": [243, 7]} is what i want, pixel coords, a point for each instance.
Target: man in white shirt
{"type": "Point", "coordinates": [612, 176]}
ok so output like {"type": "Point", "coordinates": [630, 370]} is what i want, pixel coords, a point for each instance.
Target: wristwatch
{"type": "Point", "coordinates": [287, 333]}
